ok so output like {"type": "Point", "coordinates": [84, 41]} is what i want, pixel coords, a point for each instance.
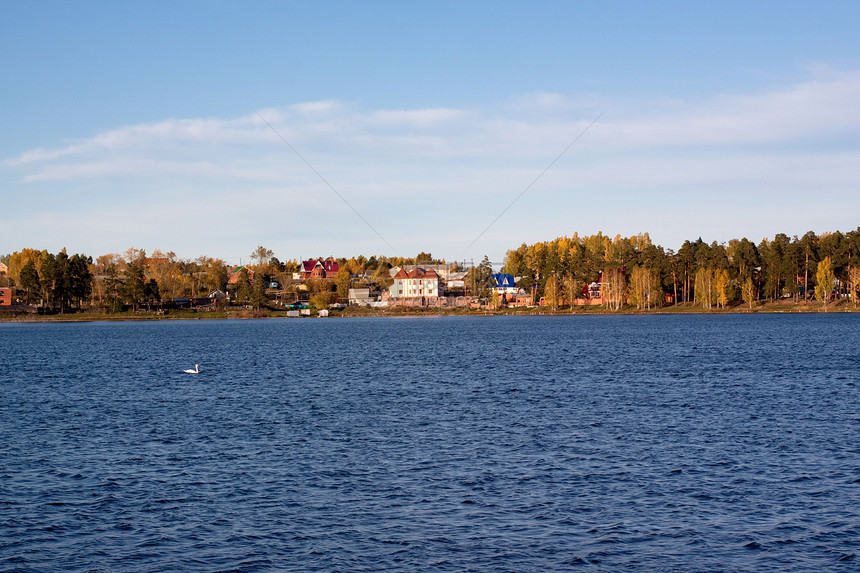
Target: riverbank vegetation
{"type": "Point", "coordinates": [807, 274]}
{"type": "Point", "coordinates": [637, 273]}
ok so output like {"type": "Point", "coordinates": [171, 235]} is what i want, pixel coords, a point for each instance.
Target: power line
{"type": "Point", "coordinates": [535, 180]}
{"type": "Point", "coordinates": [323, 179]}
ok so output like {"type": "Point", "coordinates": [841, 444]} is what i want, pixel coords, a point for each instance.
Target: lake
{"type": "Point", "coordinates": [540, 443]}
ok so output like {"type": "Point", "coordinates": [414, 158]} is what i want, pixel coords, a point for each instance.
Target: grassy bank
{"type": "Point", "coordinates": [764, 307]}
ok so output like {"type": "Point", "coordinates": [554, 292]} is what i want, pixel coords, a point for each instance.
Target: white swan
{"type": "Point", "coordinates": [195, 371]}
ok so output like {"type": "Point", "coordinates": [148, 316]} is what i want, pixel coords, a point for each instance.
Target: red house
{"type": "Point", "coordinates": [319, 269]}
{"type": "Point", "coordinates": [237, 274]}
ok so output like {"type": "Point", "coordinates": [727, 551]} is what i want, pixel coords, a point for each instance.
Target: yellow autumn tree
{"type": "Point", "coordinates": [748, 291]}
{"type": "Point", "coordinates": [853, 283]}
{"type": "Point", "coordinates": [824, 279]}
{"type": "Point", "coordinates": [552, 290]}
{"type": "Point", "coordinates": [705, 294]}
{"type": "Point", "coordinates": [19, 259]}
{"type": "Point", "coordinates": [644, 288]}
{"type": "Point", "coordinates": [722, 285]}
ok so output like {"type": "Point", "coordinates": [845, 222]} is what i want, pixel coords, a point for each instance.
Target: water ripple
{"type": "Point", "coordinates": [530, 443]}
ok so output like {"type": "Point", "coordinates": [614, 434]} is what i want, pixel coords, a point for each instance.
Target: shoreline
{"type": "Point", "coordinates": [839, 307]}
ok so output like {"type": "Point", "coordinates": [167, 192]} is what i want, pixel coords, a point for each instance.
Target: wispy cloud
{"type": "Point", "coordinates": [813, 111]}
{"type": "Point", "coordinates": [458, 165]}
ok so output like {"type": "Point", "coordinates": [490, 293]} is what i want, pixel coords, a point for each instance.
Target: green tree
{"type": "Point", "coordinates": [572, 288]}
{"type": "Point", "coordinates": [107, 285]}
{"type": "Point", "coordinates": [745, 263]}
{"type": "Point", "coordinates": [134, 282]}
{"type": "Point", "coordinates": [80, 278]}
{"type": "Point", "coordinates": [56, 280]}
{"type": "Point", "coordinates": [478, 278]}
{"type": "Point", "coordinates": [29, 281]}
{"type": "Point", "coordinates": [685, 265]}
{"type": "Point", "coordinates": [151, 292]}
{"type": "Point", "coordinates": [809, 246]}
{"type": "Point", "coordinates": [258, 292]}
{"type": "Point", "coordinates": [243, 287]}
{"type": "Point", "coordinates": [773, 254]}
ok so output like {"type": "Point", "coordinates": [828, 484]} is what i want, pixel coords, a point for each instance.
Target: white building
{"type": "Point", "coordinates": [416, 283]}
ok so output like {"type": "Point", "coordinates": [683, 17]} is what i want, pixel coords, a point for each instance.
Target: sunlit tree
{"type": "Point", "coordinates": [824, 279]}
{"type": "Point", "coordinates": [552, 291]}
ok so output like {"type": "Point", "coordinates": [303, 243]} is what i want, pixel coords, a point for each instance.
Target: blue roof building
{"type": "Point", "coordinates": [503, 283]}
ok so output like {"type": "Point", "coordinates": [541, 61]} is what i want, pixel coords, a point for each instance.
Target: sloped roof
{"type": "Point", "coordinates": [419, 273]}
{"type": "Point", "coordinates": [329, 265]}
{"type": "Point", "coordinates": [503, 280]}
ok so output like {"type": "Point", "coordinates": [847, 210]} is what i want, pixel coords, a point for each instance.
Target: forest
{"type": "Point", "coordinates": [633, 272]}
{"type": "Point", "coordinates": [636, 272]}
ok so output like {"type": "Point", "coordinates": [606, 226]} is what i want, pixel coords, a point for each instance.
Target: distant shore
{"type": "Point", "coordinates": [779, 307]}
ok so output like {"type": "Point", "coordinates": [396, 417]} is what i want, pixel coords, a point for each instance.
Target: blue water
{"type": "Point", "coordinates": [642, 443]}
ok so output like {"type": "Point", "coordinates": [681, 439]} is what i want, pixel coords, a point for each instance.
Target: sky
{"type": "Point", "coordinates": [463, 129]}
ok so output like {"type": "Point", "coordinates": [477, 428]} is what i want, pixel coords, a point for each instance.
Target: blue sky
{"type": "Point", "coordinates": [139, 124]}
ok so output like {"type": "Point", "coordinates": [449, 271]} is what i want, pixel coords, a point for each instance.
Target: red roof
{"type": "Point", "coordinates": [330, 266]}
{"type": "Point", "coordinates": [416, 273]}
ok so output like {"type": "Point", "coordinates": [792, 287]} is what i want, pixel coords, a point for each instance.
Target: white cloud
{"type": "Point", "coordinates": [414, 117]}
{"type": "Point", "coordinates": [458, 168]}
{"type": "Point", "coordinates": [814, 111]}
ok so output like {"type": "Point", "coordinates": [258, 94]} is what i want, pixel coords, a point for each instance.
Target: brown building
{"type": "Point", "coordinates": [319, 269]}
{"type": "Point", "coordinates": [237, 273]}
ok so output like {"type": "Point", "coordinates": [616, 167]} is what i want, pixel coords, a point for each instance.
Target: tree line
{"type": "Point", "coordinates": [633, 270]}
{"type": "Point", "coordinates": [134, 279]}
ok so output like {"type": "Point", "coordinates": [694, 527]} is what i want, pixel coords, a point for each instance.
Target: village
{"type": "Point", "coordinates": [321, 285]}
{"type": "Point", "coordinates": [579, 272]}
{"type": "Point", "coordinates": [428, 286]}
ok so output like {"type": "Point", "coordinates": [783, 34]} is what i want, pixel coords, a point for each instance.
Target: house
{"type": "Point", "coordinates": [319, 269]}
{"type": "Point", "coordinates": [360, 296]}
{"type": "Point", "coordinates": [236, 274]}
{"type": "Point", "coordinates": [518, 299]}
{"type": "Point", "coordinates": [217, 295]}
{"type": "Point", "coordinates": [4, 270]}
{"type": "Point", "coordinates": [503, 284]}
{"type": "Point", "coordinates": [456, 280]}
{"type": "Point", "coordinates": [415, 284]}
{"type": "Point", "coordinates": [5, 296]}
